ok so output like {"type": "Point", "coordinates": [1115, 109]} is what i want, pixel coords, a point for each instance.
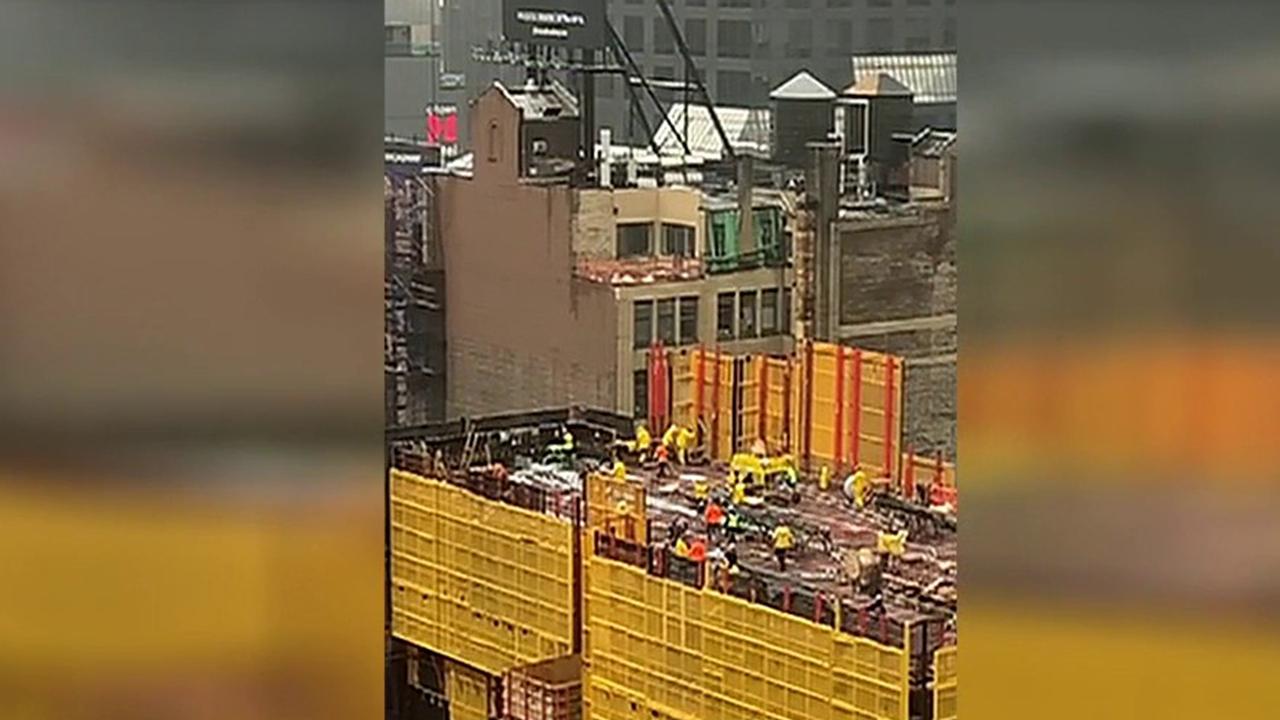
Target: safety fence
{"type": "Point", "coordinates": [479, 580]}
{"type": "Point", "coordinates": [828, 405]}
{"type": "Point", "coordinates": [945, 683]}
{"type": "Point", "coordinates": [616, 507]}
{"type": "Point", "coordinates": [661, 649]}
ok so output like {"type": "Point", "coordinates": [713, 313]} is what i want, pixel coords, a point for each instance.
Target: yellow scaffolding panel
{"type": "Point", "coordinates": [945, 682]}
{"type": "Point", "coordinates": [479, 581]}
{"type": "Point", "coordinates": [659, 649]}
{"type": "Point", "coordinates": [617, 507]}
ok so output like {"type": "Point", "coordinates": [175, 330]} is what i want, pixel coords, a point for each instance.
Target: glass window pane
{"type": "Point", "coordinates": [747, 314]}
{"type": "Point", "coordinates": [677, 240]}
{"type": "Point", "coordinates": [689, 319]}
{"type": "Point", "coordinates": [769, 312]}
{"type": "Point", "coordinates": [724, 316]}
{"type": "Point", "coordinates": [634, 240]}
{"type": "Point", "coordinates": [667, 321]}
{"type": "Point", "coordinates": [643, 323]}
{"type": "Point", "coordinates": [640, 393]}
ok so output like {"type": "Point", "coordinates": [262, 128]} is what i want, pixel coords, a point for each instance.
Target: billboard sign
{"type": "Point", "coordinates": [564, 23]}
{"type": "Point", "coordinates": [405, 157]}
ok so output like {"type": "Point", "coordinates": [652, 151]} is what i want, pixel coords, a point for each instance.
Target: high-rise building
{"type": "Point", "coordinates": [746, 48]}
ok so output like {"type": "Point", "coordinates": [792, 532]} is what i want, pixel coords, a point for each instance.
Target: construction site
{"type": "Point", "coordinates": [570, 564]}
{"type": "Point", "coordinates": [671, 427]}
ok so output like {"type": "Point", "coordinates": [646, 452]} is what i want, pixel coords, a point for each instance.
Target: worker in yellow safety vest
{"type": "Point", "coordinates": [619, 468]}
{"type": "Point", "coordinates": [682, 548]}
{"type": "Point", "coordinates": [856, 486]}
{"type": "Point", "coordinates": [642, 443]}
{"type": "Point", "coordinates": [739, 495]}
{"type": "Point", "coordinates": [669, 437]}
{"type": "Point", "coordinates": [783, 540]}
{"type": "Point", "coordinates": [684, 443]}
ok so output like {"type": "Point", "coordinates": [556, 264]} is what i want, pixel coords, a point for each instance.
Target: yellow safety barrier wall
{"type": "Point", "coordinates": [659, 649]}
{"type": "Point", "coordinates": [617, 507]}
{"type": "Point", "coordinates": [828, 405]}
{"type": "Point", "coordinates": [945, 682]}
{"type": "Point", "coordinates": [479, 581]}
{"type": "Point", "coordinates": [468, 692]}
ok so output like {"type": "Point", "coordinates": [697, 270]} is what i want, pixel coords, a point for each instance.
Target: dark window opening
{"type": "Point", "coordinates": [634, 240]}
{"type": "Point", "coordinates": [724, 316]}
{"type": "Point", "coordinates": [642, 323]}
{"type": "Point", "coordinates": [689, 319]}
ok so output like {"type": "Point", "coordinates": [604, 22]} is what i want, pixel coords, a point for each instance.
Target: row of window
{"type": "Point", "coordinates": [747, 39]}
{"type": "Point", "coordinates": [676, 321]}
{"type": "Point", "coordinates": [752, 313]}
{"type": "Point", "coordinates": [740, 315]}
{"type": "Point", "coordinates": [636, 240]}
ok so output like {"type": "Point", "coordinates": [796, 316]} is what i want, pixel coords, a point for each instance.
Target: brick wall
{"type": "Point", "coordinates": [897, 293]}
{"type": "Point", "coordinates": [522, 332]}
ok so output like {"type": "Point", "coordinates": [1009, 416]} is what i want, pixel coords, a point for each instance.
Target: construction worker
{"type": "Point", "coordinates": [697, 550]}
{"type": "Point", "coordinates": [783, 540]}
{"type": "Point", "coordinates": [684, 443]}
{"type": "Point", "coordinates": [669, 437]}
{"type": "Point", "coordinates": [619, 468]}
{"type": "Point", "coordinates": [642, 443]}
{"type": "Point", "coordinates": [824, 478]}
{"type": "Point", "coordinates": [681, 549]}
{"type": "Point", "coordinates": [856, 486]}
{"type": "Point", "coordinates": [739, 495]}
{"type": "Point", "coordinates": [664, 461]}
{"type": "Point", "coordinates": [701, 490]}
{"type": "Point", "coordinates": [715, 518]}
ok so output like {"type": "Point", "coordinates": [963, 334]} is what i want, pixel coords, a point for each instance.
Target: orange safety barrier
{"type": "Point", "coordinates": [831, 406]}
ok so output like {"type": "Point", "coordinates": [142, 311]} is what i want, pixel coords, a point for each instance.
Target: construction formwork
{"type": "Point", "coordinates": [500, 579]}
{"type": "Point", "coordinates": [827, 405]}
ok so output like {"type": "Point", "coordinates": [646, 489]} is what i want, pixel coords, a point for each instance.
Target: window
{"type": "Point", "coordinates": [747, 314]}
{"type": "Point", "coordinates": [633, 33]}
{"type": "Point", "coordinates": [663, 43]}
{"type": "Point", "coordinates": [769, 312]}
{"type": "Point", "coordinates": [879, 34]}
{"type": "Point", "coordinates": [667, 321]}
{"type": "Point", "coordinates": [800, 38]}
{"type": "Point", "coordinates": [695, 36]}
{"type": "Point", "coordinates": [642, 323]}
{"type": "Point", "coordinates": [719, 238]}
{"type": "Point", "coordinates": [689, 319]}
{"type": "Point", "coordinates": [786, 312]}
{"type": "Point", "coordinates": [605, 87]}
{"type": "Point", "coordinates": [640, 393]}
{"type": "Point", "coordinates": [760, 36]}
{"type": "Point", "coordinates": [733, 87]}
{"type": "Point", "coordinates": [799, 3]}
{"type": "Point", "coordinates": [880, 3]}
{"type": "Point", "coordinates": [949, 33]}
{"type": "Point", "coordinates": [917, 32]}
{"type": "Point", "coordinates": [495, 142]}
{"type": "Point", "coordinates": [634, 240]}
{"type": "Point", "coordinates": [677, 240]}
{"type": "Point", "coordinates": [734, 3]}
{"type": "Point", "coordinates": [724, 316]}
{"type": "Point", "coordinates": [839, 3]}
{"type": "Point", "coordinates": [664, 72]}
{"type": "Point", "coordinates": [734, 38]}
{"type": "Point", "coordinates": [839, 38]}
{"type": "Point", "coordinates": [696, 3]}
{"type": "Point", "coordinates": [919, 3]}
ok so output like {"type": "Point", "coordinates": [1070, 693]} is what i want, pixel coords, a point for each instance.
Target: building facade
{"type": "Point", "coordinates": [558, 296]}
{"type": "Point", "coordinates": [745, 48]}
